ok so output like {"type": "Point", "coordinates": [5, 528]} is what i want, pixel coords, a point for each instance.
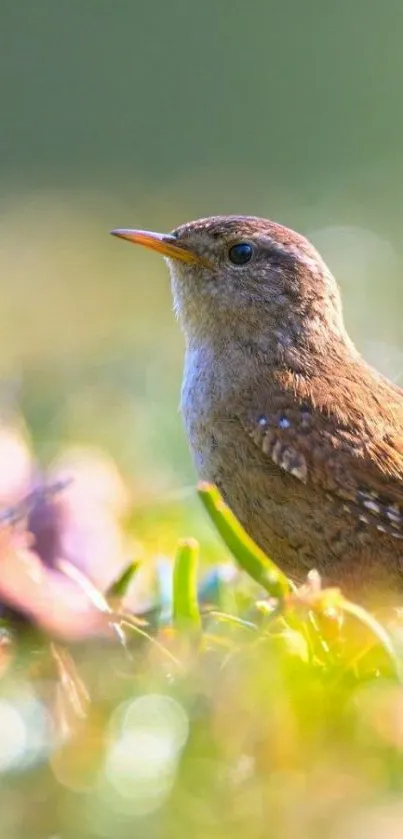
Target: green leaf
{"type": "Point", "coordinates": [378, 632]}
{"type": "Point", "coordinates": [248, 555]}
{"type": "Point", "coordinates": [119, 587]}
{"type": "Point", "coordinates": [185, 607]}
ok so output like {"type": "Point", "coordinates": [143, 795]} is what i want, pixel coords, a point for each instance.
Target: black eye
{"type": "Point", "coordinates": [241, 253]}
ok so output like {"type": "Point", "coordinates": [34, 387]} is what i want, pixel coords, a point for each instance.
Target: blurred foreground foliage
{"type": "Point", "coordinates": [185, 699]}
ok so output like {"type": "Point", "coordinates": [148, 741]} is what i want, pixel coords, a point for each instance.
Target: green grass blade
{"type": "Point", "coordinates": [119, 587]}
{"type": "Point", "coordinates": [185, 607]}
{"type": "Point", "coordinates": [378, 632]}
{"type": "Point", "coordinates": [248, 555]}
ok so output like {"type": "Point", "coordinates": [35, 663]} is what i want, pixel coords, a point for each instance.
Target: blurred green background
{"type": "Point", "coordinates": [122, 113]}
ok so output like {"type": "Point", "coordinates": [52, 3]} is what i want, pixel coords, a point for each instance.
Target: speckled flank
{"type": "Point", "coordinates": [267, 433]}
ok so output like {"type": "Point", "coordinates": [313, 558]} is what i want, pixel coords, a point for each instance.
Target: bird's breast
{"type": "Point", "coordinates": [200, 404]}
{"type": "Point", "coordinates": [213, 388]}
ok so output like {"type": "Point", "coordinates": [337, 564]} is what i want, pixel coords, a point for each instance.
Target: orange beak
{"type": "Point", "coordinates": [162, 242]}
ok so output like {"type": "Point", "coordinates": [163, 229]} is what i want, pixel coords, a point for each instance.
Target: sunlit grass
{"type": "Point", "coordinates": [226, 707]}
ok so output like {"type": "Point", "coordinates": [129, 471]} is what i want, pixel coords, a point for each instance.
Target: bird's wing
{"type": "Point", "coordinates": [319, 433]}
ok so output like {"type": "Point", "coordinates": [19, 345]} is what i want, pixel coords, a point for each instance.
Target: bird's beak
{"type": "Point", "coordinates": [161, 242]}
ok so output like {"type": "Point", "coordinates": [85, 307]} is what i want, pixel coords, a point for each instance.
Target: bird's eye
{"type": "Point", "coordinates": [241, 253]}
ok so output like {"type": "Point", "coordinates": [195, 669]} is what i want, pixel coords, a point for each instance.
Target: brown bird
{"type": "Point", "coordinates": [303, 438]}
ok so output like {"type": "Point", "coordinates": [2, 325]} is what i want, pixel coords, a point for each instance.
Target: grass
{"type": "Point", "coordinates": [238, 707]}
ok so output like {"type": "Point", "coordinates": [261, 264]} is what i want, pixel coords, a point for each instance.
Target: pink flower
{"type": "Point", "coordinates": [71, 520]}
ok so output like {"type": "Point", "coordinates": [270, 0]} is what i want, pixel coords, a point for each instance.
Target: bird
{"type": "Point", "coordinates": [303, 438]}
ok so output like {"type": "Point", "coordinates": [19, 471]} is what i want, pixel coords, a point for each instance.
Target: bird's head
{"type": "Point", "coordinates": [248, 278]}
